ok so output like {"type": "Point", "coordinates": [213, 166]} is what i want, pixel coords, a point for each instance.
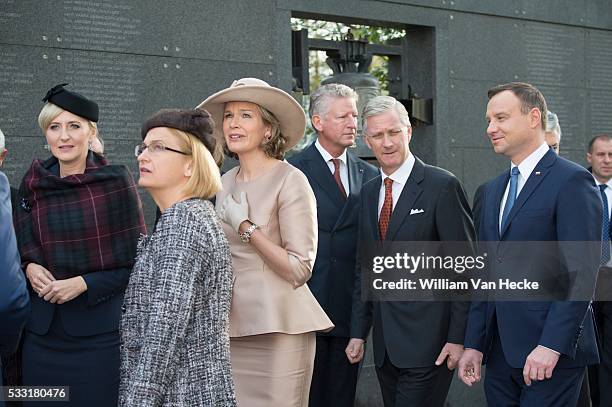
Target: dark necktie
{"type": "Point", "coordinates": [605, 227]}
{"type": "Point", "coordinates": [511, 195]}
{"type": "Point", "coordinates": [336, 162]}
{"type": "Point", "coordinates": [387, 208]}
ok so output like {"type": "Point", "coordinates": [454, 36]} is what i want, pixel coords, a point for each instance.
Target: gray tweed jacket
{"type": "Point", "coordinates": [174, 327]}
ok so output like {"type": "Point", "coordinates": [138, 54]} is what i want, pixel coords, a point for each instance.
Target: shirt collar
{"type": "Point", "coordinates": [403, 172]}
{"type": "Point", "coordinates": [609, 183]}
{"type": "Point", "coordinates": [528, 164]}
{"type": "Point", "coordinates": [326, 155]}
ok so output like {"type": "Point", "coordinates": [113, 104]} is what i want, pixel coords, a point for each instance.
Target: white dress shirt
{"type": "Point", "coordinates": [327, 157]}
{"type": "Point", "coordinates": [525, 169]}
{"type": "Point", "coordinates": [399, 177]}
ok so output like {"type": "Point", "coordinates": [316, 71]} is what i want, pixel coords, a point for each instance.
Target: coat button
{"type": "Point", "coordinates": [123, 309]}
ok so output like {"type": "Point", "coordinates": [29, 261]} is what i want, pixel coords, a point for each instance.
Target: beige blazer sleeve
{"type": "Point", "coordinates": [297, 218]}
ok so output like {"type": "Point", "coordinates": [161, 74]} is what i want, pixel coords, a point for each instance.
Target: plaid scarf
{"type": "Point", "coordinates": [81, 223]}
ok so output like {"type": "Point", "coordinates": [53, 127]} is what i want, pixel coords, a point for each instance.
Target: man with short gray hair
{"type": "Point", "coordinates": [3, 154]}
{"type": "Point", "coordinates": [3, 150]}
{"type": "Point", "coordinates": [553, 131]}
{"type": "Point", "coordinates": [408, 201]}
{"type": "Point", "coordinates": [336, 176]}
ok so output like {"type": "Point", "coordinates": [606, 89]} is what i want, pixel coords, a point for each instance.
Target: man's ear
{"type": "Point", "coordinates": [367, 141]}
{"type": "Point", "coordinates": [317, 122]}
{"type": "Point", "coordinates": [409, 131]}
{"type": "Point", "coordinates": [536, 118]}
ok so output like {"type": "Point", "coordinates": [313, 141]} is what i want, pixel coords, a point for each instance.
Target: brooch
{"type": "Point", "coordinates": [25, 205]}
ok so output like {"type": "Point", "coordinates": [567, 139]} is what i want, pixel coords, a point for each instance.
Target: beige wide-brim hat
{"type": "Point", "coordinates": [284, 107]}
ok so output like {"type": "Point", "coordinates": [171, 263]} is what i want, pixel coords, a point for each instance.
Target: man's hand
{"type": "Point", "coordinates": [38, 276]}
{"type": "Point", "coordinates": [469, 366]}
{"type": "Point", "coordinates": [539, 364]}
{"type": "Point", "coordinates": [61, 291]}
{"type": "Point", "coordinates": [354, 350]}
{"type": "Point", "coordinates": [452, 353]}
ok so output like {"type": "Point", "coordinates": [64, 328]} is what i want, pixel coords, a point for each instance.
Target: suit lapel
{"type": "Point", "coordinates": [412, 190]}
{"type": "Point", "coordinates": [499, 187]}
{"type": "Point", "coordinates": [323, 176]}
{"type": "Point", "coordinates": [535, 178]}
{"type": "Point", "coordinates": [371, 194]}
{"type": "Point", "coordinates": [355, 173]}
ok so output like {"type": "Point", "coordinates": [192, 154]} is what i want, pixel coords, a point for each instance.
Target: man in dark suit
{"type": "Point", "coordinates": [552, 137]}
{"type": "Point", "coordinates": [3, 154]}
{"type": "Point", "coordinates": [408, 201]}
{"type": "Point", "coordinates": [536, 352]}
{"type": "Point", "coordinates": [14, 300]}
{"type": "Point", "coordinates": [599, 157]}
{"type": "Point", "coordinates": [336, 176]}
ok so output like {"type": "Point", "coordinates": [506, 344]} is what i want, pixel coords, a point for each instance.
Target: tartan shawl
{"type": "Point", "coordinates": [81, 223]}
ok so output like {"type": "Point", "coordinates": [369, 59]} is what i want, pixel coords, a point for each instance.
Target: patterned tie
{"type": "Point", "coordinates": [605, 227]}
{"type": "Point", "coordinates": [336, 162]}
{"type": "Point", "coordinates": [511, 195]}
{"type": "Point", "coordinates": [387, 208]}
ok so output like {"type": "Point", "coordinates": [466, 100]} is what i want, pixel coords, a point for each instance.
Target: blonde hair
{"type": "Point", "coordinates": [51, 111]}
{"type": "Point", "coordinates": [205, 180]}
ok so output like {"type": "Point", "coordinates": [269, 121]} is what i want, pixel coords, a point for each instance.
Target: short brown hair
{"type": "Point", "coordinates": [275, 146]}
{"type": "Point", "coordinates": [604, 137]}
{"type": "Point", "coordinates": [528, 94]}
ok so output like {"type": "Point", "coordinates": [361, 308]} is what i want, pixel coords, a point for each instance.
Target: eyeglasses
{"type": "Point", "coordinates": [155, 147]}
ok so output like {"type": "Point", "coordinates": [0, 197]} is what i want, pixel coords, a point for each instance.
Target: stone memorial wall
{"type": "Point", "coordinates": [134, 57]}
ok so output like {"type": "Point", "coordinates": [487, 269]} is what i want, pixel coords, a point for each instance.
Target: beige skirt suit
{"type": "Point", "coordinates": [273, 320]}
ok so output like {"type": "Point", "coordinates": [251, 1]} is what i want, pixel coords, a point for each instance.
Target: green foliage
{"type": "Point", "coordinates": [376, 35]}
{"type": "Point", "coordinates": [330, 30]}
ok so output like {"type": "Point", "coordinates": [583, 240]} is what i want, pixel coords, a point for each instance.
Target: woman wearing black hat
{"type": "Point", "coordinates": [77, 226]}
{"type": "Point", "coordinates": [175, 327]}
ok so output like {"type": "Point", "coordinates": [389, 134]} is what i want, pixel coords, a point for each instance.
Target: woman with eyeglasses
{"type": "Point", "coordinates": [77, 224]}
{"type": "Point", "coordinates": [175, 325]}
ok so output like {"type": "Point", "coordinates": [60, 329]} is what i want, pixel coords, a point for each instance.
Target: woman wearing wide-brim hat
{"type": "Point", "coordinates": [269, 216]}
